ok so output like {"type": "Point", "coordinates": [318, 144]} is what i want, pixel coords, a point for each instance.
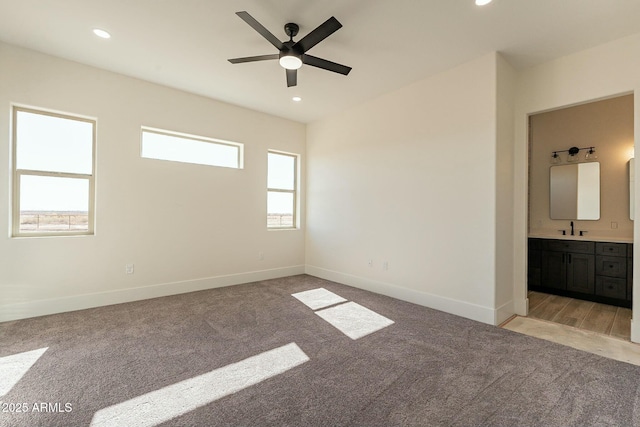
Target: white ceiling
{"type": "Point", "coordinates": [185, 44]}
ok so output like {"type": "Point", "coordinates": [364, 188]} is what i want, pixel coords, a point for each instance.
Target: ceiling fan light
{"type": "Point", "coordinates": [101, 33]}
{"type": "Point", "coordinates": [290, 62]}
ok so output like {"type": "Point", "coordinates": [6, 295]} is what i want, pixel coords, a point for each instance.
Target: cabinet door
{"type": "Point", "coordinates": [580, 273]}
{"type": "Point", "coordinates": [554, 270]}
{"type": "Point", "coordinates": [534, 270]}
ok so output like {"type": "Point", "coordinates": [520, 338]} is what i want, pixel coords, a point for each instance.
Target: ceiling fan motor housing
{"type": "Point", "coordinates": [291, 29]}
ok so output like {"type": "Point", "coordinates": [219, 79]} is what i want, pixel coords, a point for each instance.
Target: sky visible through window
{"type": "Point", "coordinates": [53, 144]}
{"type": "Point", "coordinates": [281, 176]}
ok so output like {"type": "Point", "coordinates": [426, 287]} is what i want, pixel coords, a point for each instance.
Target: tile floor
{"type": "Point", "coordinates": [588, 326]}
{"type": "Point", "coordinates": [587, 315]}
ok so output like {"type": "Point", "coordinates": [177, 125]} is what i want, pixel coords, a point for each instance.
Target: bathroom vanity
{"type": "Point", "coordinates": [600, 271]}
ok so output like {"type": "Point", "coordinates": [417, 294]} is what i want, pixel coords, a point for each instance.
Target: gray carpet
{"type": "Point", "coordinates": [427, 368]}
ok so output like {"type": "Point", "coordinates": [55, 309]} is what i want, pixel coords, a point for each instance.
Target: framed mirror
{"type": "Point", "coordinates": [575, 191]}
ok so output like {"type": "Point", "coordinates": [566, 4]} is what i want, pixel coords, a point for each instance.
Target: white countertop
{"type": "Point", "coordinates": [586, 237]}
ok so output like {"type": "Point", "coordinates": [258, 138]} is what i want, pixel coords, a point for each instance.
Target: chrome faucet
{"type": "Point", "coordinates": [572, 233]}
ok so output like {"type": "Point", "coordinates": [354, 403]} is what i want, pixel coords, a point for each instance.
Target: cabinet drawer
{"type": "Point", "coordinates": [611, 266]}
{"type": "Point", "coordinates": [571, 246]}
{"type": "Point", "coordinates": [611, 287]}
{"type": "Point", "coordinates": [611, 249]}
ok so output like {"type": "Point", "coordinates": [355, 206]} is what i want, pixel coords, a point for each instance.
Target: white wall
{"type": "Point", "coordinates": [505, 96]}
{"type": "Point", "coordinates": [600, 72]}
{"type": "Point", "coordinates": [410, 179]}
{"type": "Point", "coordinates": [185, 227]}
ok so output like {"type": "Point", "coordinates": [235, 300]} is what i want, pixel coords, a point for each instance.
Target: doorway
{"type": "Point", "coordinates": [596, 300]}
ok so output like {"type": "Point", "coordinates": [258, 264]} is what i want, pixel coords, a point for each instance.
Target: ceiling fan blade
{"type": "Point", "coordinates": [326, 65]}
{"type": "Point", "coordinates": [253, 58]}
{"type": "Point", "coordinates": [292, 77]}
{"type": "Point", "coordinates": [260, 29]}
{"type": "Point", "coordinates": [329, 27]}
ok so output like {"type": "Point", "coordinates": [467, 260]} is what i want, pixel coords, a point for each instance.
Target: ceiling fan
{"type": "Point", "coordinates": [293, 54]}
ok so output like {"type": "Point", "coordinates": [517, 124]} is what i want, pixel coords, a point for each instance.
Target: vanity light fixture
{"type": "Point", "coordinates": [573, 155]}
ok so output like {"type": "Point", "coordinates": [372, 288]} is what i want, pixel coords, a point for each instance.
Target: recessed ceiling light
{"type": "Point", "coordinates": [101, 33]}
{"type": "Point", "coordinates": [297, 99]}
{"type": "Point", "coordinates": [482, 2]}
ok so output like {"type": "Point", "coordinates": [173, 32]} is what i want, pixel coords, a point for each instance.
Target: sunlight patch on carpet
{"type": "Point", "coordinates": [354, 320]}
{"type": "Point", "coordinates": [13, 368]}
{"type": "Point", "coordinates": [318, 298]}
{"type": "Point", "coordinates": [161, 405]}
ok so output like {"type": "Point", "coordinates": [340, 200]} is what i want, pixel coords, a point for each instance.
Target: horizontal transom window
{"type": "Point", "coordinates": [178, 147]}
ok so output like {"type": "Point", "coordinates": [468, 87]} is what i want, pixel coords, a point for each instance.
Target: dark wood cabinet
{"type": "Point", "coordinates": [580, 273]}
{"type": "Point", "coordinates": [534, 272]}
{"type": "Point", "coordinates": [554, 270]}
{"type": "Point", "coordinates": [611, 270]}
{"type": "Point", "coordinates": [568, 265]}
{"type": "Point", "coordinates": [596, 271]}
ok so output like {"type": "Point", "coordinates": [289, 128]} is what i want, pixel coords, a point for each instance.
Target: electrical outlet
{"type": "Point", "coordinates": [128, 268]}
{"type": "Point", "coordinates": [385, 265]}
{"type": "Point", "coordinates": [370, 263]}
{"type": "Point", "coordinates": [614, 225]}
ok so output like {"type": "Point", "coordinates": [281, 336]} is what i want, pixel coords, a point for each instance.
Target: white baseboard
{"type": "Point", "coordinates": [449, 305]}
{"type": "Point", "coordinates": [80, 302]}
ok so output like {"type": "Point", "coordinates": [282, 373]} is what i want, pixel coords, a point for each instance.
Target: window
{"type": "Point", "coordinates": [282, 183]}
{"type": "Point", "coordinates": [53, 166]}
{"type": "Point", "coordinates": [165, 145]}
